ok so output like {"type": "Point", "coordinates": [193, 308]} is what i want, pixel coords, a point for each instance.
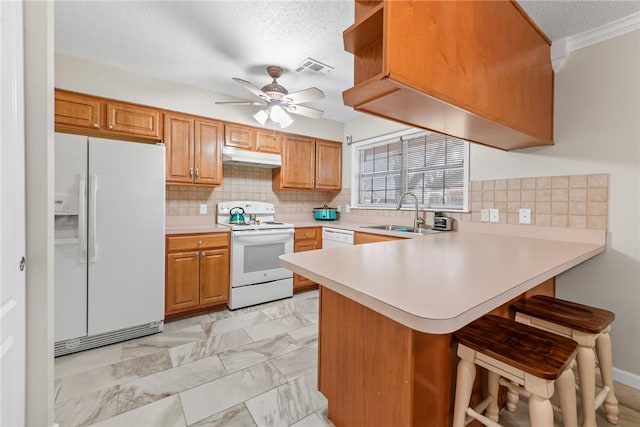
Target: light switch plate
{"type": "Point", "coordinates": [484, 215]}
{"type": "Point", "coordinates": [203, 208]}
{"type": "Point", "coordinates": [525, 216]}
{"type": "Point", "coordinates": [494, 215]}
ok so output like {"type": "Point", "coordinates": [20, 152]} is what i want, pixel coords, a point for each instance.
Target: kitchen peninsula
{"type": "Point", "coordinates": [388, 311]}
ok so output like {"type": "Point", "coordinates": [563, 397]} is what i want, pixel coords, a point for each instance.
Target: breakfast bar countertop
{"type": "Point", "coordinates": [441, 282]}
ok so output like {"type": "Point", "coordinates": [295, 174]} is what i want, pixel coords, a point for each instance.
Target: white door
{"type": "Point", "coordinates": [12, 218]}
{"type": "Point", "coordinates": [126, 234]}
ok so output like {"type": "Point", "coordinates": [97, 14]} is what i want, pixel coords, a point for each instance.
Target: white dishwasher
{"type": "Point", "coordinates": [334, 237]}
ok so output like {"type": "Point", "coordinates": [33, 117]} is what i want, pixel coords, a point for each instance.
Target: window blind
{"type": "Point", "coordinates": [430, 165]}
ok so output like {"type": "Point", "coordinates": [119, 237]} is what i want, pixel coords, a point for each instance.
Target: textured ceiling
{"type": "Point", "coordinates": [559, 19]}
{"type": "Point", "coordinates": [206, 43]}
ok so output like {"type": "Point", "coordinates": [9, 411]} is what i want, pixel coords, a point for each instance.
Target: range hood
{"type": "Point", "coordinates": [235, 156]}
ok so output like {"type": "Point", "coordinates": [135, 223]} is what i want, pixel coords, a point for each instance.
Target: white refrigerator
{"type": "Point", "coordinates": [109, 241]}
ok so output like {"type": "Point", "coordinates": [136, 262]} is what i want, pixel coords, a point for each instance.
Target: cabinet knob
{"type": "Point", "coordinates": [95, 125]}
{"type": "Point", "coordinates": [197, 173]}
{"type": "Point", "coordinates": [191, 173]}
{"type": "Point", "coordinates": [110, 126]}
{"type": "Point", "coordinates": [199, 242]}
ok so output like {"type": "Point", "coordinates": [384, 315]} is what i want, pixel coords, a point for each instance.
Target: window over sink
{"type": "Point", "coordinates": [433, 166]}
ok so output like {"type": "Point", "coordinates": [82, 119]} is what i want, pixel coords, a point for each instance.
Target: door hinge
{"type": "Point", "coordinates": [23, 262]}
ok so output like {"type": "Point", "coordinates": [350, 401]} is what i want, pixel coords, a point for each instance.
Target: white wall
{"type": "Point", "coordinates": [90, 77]}
{"type": "Point", "coordinates": [597, 130]}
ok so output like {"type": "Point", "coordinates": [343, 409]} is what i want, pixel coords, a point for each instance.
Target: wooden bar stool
{"type": "Point", "coordinates": [527, 360]}
{"type": "Point", "coordinates": [589, 327]}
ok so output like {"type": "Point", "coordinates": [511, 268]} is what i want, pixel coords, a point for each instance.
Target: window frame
{"type": "Point", "coordinates": [395, 137]}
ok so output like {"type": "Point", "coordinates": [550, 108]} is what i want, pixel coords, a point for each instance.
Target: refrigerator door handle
{"type": "Point", "coordinates": [93, 190]}
{"type": "Point", "coordinates": [82, 218]}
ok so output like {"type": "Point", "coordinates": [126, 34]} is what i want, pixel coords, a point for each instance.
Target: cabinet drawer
{"type": "Point", "coordinates": [306, 233]}
{"type": "Point", "coordinates": [179, 243]}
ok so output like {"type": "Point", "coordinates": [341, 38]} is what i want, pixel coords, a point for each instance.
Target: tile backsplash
{"type": "Point", "coordinates": [243, 183]}
{"type": "Point", "coordinates": [575, 201]}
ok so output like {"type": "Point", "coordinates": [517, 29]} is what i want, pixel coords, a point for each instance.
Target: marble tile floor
{"type": "Point", "coordinates": [251, 367]}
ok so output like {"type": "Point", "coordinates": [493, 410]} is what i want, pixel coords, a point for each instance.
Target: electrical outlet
{"type": "Point", "coordinates": [484, 215]}
{"type": "Point", "coordinates": [347, 209]}
{"type": "Point", "coordinates": [525, 216]}
{"type": "Point", "coordinates": [203, 208]}
{"type": "Point", "coordinates": [494, 215]}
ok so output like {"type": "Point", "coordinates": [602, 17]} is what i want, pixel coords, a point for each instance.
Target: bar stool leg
{"type": "Point", "coordinates": [587, 374]}
{"type": "Point", "coordinates": [603, 350]}
{"type": "Point", "coordinates": [464, 387]}
{"type": "Point", "coordinates": [512, 400]}
{"type": "Point", "coordinates": [566, 386]}
{"type": "Point", "coordinates": [492, 389]}
{"type": "Point", "coordinates": [540, 411]}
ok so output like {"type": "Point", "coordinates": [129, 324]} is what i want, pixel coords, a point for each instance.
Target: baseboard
{"type": "Point", "coordinates": [626, 378]}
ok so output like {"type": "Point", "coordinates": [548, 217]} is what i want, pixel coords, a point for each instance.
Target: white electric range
{"type": "Point", "coordinates": [257, 241]}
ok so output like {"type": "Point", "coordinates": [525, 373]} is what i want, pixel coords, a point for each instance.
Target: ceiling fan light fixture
{"type": "Point", "coordinates": [261, 116]}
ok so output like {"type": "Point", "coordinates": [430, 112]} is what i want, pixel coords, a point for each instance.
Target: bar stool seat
{"type": "Point", "coordinates": [524, 359]}
{"type": "Point", "coordinates": [589, 327]}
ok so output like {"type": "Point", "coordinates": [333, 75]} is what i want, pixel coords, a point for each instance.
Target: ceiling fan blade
{"type": "Point", "coordinates": [251, 88]}
{"type": "Point", "coordinates": [305, 95]}
{"type": "Point", "coordinates": [304, 111]}
{"type": "Point", "coordinates": [239, 103]}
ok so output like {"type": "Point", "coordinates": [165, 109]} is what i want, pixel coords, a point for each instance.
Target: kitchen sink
{"type": "Point", "coordinates": [401, 228]}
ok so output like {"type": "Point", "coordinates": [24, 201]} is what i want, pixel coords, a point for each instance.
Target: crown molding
{"type": "Point", "coordinates": [562, 48]}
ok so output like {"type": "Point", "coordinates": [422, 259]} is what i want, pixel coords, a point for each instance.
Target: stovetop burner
{"type": "Point", "coordinates": [261, 215]}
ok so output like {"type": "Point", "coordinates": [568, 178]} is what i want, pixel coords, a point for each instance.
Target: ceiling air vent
{"type": "Point", "coordinates": [314, 66]}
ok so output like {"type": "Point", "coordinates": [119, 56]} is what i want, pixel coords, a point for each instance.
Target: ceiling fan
{"type": "Point", "coordinates": [279, 101]}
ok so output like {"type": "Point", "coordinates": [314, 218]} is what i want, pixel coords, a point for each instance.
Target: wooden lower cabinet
{"type": "Point", "coordinates": [306, 239]}
{"type": "Point", "coordinates": [361, 238]}
{"type": "Point", "coordinates": [197, 272]}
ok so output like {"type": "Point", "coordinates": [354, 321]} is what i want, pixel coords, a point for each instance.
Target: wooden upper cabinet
{"type": "Point", "coordinates": [298, 163]}
{"type": "Point", "coordinates": [77, 110]}
{"type": "Point", "coordinates": [237, 136]}
{"type": "Point", "coordinates": [328, 165]}
{"type": "Point", "coordinates": [268, 141]}
{"type": "Point", "coordinates": [91, 115]}
{"type": "Point", "coordinates": [309, 164]}
{"type": "Point", "coordinates": [475, 70]}
{"type": "Point", "coordinates": [252, 139]}
{"type": "Point", "coordinates": [208, 154]}
{"type": "Point", "coordinates": [134, 120]}
{"type": "Point", "coordinates": [193, 148]}
{"type": "Point", "coordinates": [178, 139]}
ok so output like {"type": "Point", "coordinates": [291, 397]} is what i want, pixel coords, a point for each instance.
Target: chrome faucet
{"type": "Point", "coordinates": [418, 220]}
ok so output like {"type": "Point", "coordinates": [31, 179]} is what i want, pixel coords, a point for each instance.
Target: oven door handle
{"type": "Point", "coordinates": [250, 236]}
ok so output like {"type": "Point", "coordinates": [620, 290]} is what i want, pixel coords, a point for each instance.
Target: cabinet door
{"type": "Point", "coordinates": [298, 162]}
{"type": "Point", "coordinates": [208, 152]}
{"type": "Point", "coordinates": [134, 120]}
{"type": "Point", "coordinates": [306, 239]}
{"type": "Point", "coordinates": [181, 291]}
{"type": "Point", "coordinates": [178, 138]}
{"type": "Point", "coordinates": [328, 165]}
{"type": "Point", "coordinates": [214, 276]}
{"type": "Point", "coordinates": [268, 142]}
{"type": "Point", "coordinates": [239, 136]}
{"type": "Point", "coordinates": [77, 110]}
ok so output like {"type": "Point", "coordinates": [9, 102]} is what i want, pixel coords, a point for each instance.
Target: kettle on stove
{"type": "Point", "coordinates": [236, 215]}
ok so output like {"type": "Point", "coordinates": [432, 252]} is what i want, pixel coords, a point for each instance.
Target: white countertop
{"type": "Point", "coordinates": [438, 283]}
{"type": "Point", "coordinates": [193, 224]}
